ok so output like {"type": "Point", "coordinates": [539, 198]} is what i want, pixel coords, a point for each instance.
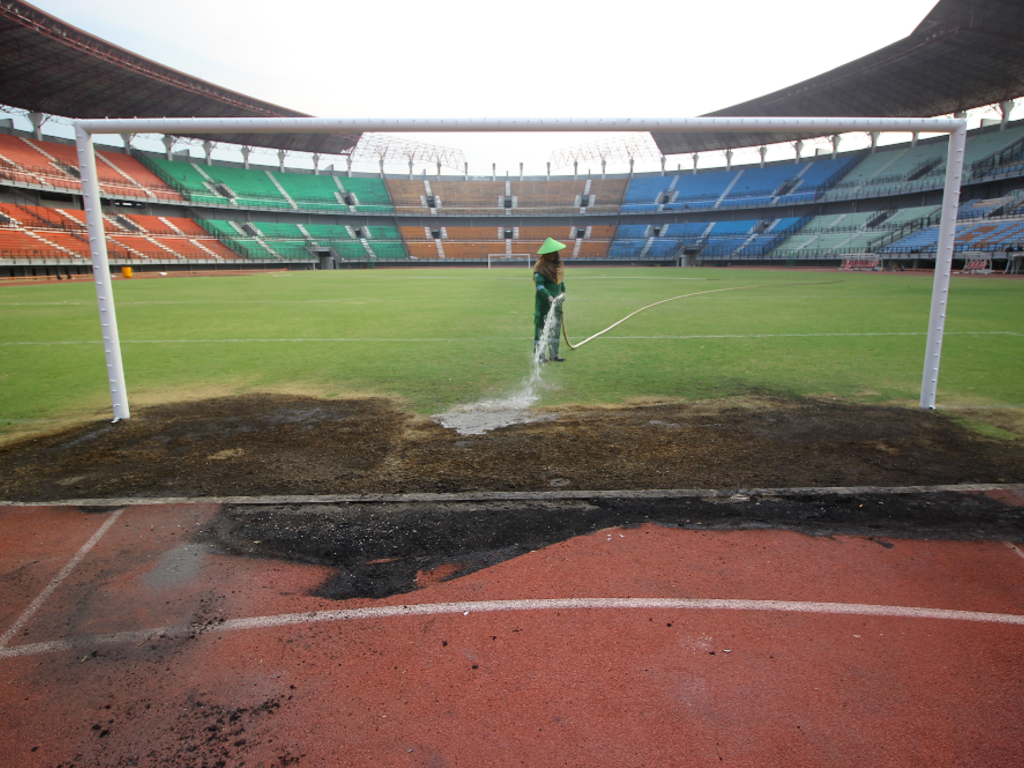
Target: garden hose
{"type": "Point", "coordinates": [674, 298]}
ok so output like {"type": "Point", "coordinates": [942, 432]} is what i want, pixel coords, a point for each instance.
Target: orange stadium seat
{"type": "Point", "coordinates": [141, 175]}
{"type": "Point", "coordinates": [54, 164]}
{"type": "Point", "coordinates": [423, 249]}
{"type": "Point", "coordinates": [406, 195]}
{"type": "Point", "coordinates": [472, 195]}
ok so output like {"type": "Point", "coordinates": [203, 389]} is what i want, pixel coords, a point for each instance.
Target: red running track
{"type": "Point", "coordinates": [127, 644]}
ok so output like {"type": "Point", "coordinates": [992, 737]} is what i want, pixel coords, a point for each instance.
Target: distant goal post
{"type": "Point", "coordinates": [763, 126]}
{"type": "Point", "coordinates": [509, 257]}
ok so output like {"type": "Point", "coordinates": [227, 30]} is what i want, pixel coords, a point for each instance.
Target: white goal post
{"type": "Point", "coordinates": [527, 257]}
{"type": "Point", "coordinates": [816, 126]}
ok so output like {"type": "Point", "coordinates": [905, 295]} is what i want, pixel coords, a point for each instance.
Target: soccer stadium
{"type": "Point", "coordinates": [711, 514]}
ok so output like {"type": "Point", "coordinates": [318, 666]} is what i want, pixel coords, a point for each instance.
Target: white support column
{"type": "Point", "coordinates": [348, 165]}
{"type": "Point", "coordinates": [874, 140]}
{"type": "Point", "coordinates": [728, 159]}
{"type": "Point", "coordinates": [798, 145]}
{"type": "Point", "coordinates": [549, 171]}
{"type": "Point", "coordinates": [37, 119]}
{"type": "Point", "coordinates": [762, 151]}
{"type": "Point", "coordinates": [662, 165]}
{"type": "Point", "coordinates": [520, 171]}
{"type": "Point", "coordinates": [696, 157]}
{"type": "Point", "coordinates": [101, 273]}
{"type": "Point", "coordinates": [836, 138]}
{"type": "Point", "coordinates": [575, 169]}
{"type": "Point", "coordinates": [466, 172]}
{"type": "Point", "coordinates": [630, 166]}
{"type": "Point", "coordinates": [208, 151]}
{"type": "Point", "coordinates": [127, 139]}
{"type": "Point", "coordinates": [943, 266]}
{"type": "Point", "coordinates": [169, 145]}
{"type": "Point", "coordinates": [604, 167]}
{"type": "Point", "coordinates": [439, 170]}
{"type": "Point", "coordinates": [1005, 107]}
{"type": "Point", "coordinates": [316, 163]}
{"type": "Point", "coordinates": [494, 171]}
{"type": "Point", "coordinates": [913, 139]}
{"type": "Point", "coordinates": [246, 151]}
{"type": "Point", "coordinates": [410, 168]}
{"type": "Point", "coordinates": [281, 155]}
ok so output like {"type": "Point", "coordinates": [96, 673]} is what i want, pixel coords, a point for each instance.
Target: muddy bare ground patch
{"type": "Point", "coordinates": [284, 444]}
{"type": "Point", "coordinates": [379, 549]}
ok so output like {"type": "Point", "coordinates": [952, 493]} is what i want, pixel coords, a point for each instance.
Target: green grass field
{"type": "Point", "coordinates": [435, 338]}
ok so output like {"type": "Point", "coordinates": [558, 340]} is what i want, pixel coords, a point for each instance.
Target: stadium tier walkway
{"type": "Point", "coordinates": [131, 636]}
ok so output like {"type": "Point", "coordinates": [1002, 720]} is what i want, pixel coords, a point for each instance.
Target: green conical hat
{"type": "Point", "coordinates": [550, 246]}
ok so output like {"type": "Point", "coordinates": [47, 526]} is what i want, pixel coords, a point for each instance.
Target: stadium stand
{"type": "Point", "coordinates": [591, 195]}
{"type": "Point", "coordinates": [51, 164]}
{"type": "Point", "coordinates": [723, 240]}
{"type": "Point", "coordinates": [266, 240]}
{"type": "Point", "coordinates": [452, 196]}
{"type": "Point", "coordinates": [184, 178]}
{"type": "Point", "coordinates": [992, 235]}
{"type": "Point", "coordinates": [140, 176]}
{"type": "Point", "coordinates": [310, 192]}
{"type": "Point", "coordinates": [982, 209]}
{"type": "Point", "coordinates": [606, 195]}
{"type": "Point", "coordinates": [851, 233]}
{"type": "Point", "coordinates": [497, 197]}
{"type": "Point", "coordinates": [408, 196]}
{"type": "Point", "coordinates": [901, 168]}
{"type": "Point", "coordinates": [367, 195]}
{"type": "Point", "coordinates": [248, 188]}
{"type": "Point", "coordinates": [261, 188]}
{"type": "Point", "coordinates": [780, 183]}
{"type": "Point", "coordinates": [54, 233]}
{"type": "Point", "coordinates": [893, 231]}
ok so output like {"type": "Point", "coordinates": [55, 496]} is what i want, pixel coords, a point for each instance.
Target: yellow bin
{"type": "Point", "coordinates": [126, 271]}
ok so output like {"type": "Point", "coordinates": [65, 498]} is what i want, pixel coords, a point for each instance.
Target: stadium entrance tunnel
{"type": "Point", "coordinates": [388, 548]}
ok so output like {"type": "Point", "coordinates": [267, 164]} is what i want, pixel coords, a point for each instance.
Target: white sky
{"type": "Point", "coordinates": [530, 58]}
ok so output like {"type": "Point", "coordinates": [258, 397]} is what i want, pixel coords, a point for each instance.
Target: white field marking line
{"type": "Point", "coordinates": [506, 338]}
{"type": "Point", "coordinates": [56, 582]}
{"type": "Point", "coordinates": [498, 606]}
{"type": "Point", "coordinates": [1015, 548]}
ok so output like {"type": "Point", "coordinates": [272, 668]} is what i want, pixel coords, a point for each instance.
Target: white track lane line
{"type": "Point", "coordinates": [495, 606]}
{"type": "Point", "coordinates": [1015, 548]}
{"type": "Point", "coordinates": [64, 573]}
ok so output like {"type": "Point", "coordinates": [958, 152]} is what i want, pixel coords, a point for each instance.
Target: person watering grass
{"type": "Point", "coordinates": [549, 281]}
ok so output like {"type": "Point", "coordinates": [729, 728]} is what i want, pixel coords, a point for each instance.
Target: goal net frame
{"type": "Point", "coordinates": [527, 257]}
{"type": "Point", "coordinates": [808, 126]}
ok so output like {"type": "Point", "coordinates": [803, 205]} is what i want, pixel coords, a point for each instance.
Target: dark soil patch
{"type": "Point", "coordinates": [283, 445]}
{"type": "Point", "coordinates": [386, 548]}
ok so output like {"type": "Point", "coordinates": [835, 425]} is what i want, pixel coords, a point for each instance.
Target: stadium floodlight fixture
{"type": "Point", "coordinates": [818, 126]}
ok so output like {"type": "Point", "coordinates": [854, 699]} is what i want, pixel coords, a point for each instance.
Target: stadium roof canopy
{"type": "Point", "coordinates": [965, 54]}
{"type": "Point", "coordinates": [51, 67]}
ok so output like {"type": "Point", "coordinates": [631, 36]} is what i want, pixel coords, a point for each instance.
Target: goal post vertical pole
{"type": "Point", "coordinates": [943, 265]}
{"type": "Point", "coordinates": [101, 271]}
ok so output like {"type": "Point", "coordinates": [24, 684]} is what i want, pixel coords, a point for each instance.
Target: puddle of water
{"type": "Point", "coordinates": [486, 415]}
